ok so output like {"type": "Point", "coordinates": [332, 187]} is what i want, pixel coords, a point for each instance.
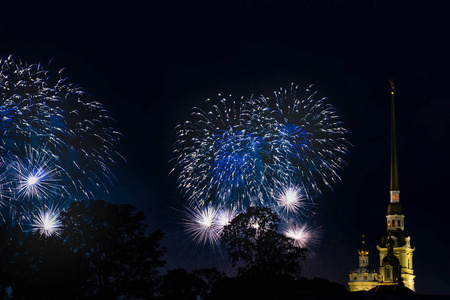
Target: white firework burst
{"type": "Point", "coordinates": [46, 221]}
{"type": "Point", "coordinates": [37, 175]}
{"type": "Point", "coordinates": [304, 236]}
{"type": "Point", "coordinates": [291, 199]}
{"type": "Point", "coordinates": [201, 225]}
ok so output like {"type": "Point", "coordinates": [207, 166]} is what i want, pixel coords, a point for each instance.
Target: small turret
{"type": "Point", "coordinates": [363, 278]}
{"type": "Point", "coordinates": [363, 255]}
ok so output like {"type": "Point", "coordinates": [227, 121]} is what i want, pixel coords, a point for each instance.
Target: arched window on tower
{"type": "Point", "coordinates": [393, 223]}
{"type": "Point", "coordinates": [398, 223]}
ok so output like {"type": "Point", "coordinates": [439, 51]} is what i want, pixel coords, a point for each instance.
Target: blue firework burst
{"type": "Point", "coordinates": [260, 152]}
{"type": "Point", "coordinates": [44, 111]}
{"type": "Point", "coordinates": [311, 130]}
{"type": "Point", "coordinates": [230, 156]}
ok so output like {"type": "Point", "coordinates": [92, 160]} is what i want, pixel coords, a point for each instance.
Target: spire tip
{"type": "Point", "coordinates": [391, 81]}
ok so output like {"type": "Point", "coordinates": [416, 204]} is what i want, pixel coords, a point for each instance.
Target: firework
{"type": "Point", "coordinates": [229, 156]}
{"type": "Point", "coordinates": [304, 236]}
{"type": "Point", "coordinates": [315, 137]}
{"type": "Point", "coordinates": [45, 221]}
{"type": "Point", "coordinates": [224, 217]}
{"type": "Point", "coordinates": [50, 128]}
{"type": "Point", "coordinates": [204, 224]}
{"type": "Point", "coordinates": [6, 193]}
{"type": "Point", "coordinates": [36, 176]}
{"type": "Point", "coordinates": [259, 151]}
{"type": "Point", "coordinates": [201, 224]}
{"type": "Point", "coordinates": [241, 152]}
{"type": "Point", "coordinates": [291, 199]}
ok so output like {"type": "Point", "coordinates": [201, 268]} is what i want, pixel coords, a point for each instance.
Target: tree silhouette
{"type": "Point", "coordinates": [49, 269]}
{"type": "Point", "coordinates": [38, 267]}
{"type": "Point", "coordinates": [211, 276]}
{"type": "Point", "coordinates": [181, 284]}
{"type": "Point", "coordinates": [252, 240]}
{"type": "Point", "coordinates": [102, 252]}
{"type": "Point", "coordinates": [123, 259]}
{"type": "Point", "coordinates": [10, 265]}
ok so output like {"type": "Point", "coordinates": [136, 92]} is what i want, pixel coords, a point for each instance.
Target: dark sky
{"type": "Point", "coordinates": [150, 64]}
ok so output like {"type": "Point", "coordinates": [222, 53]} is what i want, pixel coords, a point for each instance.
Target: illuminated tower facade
{"type": "Point", "coordinates": [363, 278]}
{"type": "Point", "coordinates": [395, 237]}
{"type": "Point", "coordinates": [390, 269]}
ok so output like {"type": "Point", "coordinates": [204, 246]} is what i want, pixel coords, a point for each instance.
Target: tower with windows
{"type": "Point", "coordinates": [396, 237]}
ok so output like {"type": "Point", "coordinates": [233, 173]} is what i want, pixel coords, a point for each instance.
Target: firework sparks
{"type": "Point", "coordinates": [229, 156]}
{"type": "Point", "coordinates": [239, 153]}
{"type": "Point", "coordinates": [200, 224]}
{"type": "Point", "coordinates": [225, 216]}
{"type": "Point", "coordinates": [304, 236]}
{"type": "Point", "coordinates": [242, 153]}
{"type": "Point", "coordinates": [46, 221]}
{"type": "Point", "coordinates": [37, 175]}
{"type": "Point", "coordinates": [313, 131]}
{"type": "Point", "coordinates": [69, 132]}
{"type": "Point", "coordinates": [291, 199]}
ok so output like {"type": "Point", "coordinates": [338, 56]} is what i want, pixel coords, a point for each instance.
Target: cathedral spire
{"type": "Point", "coordinates": [394, 167]}
{"type": "Point", "coordinates": [395, 250]}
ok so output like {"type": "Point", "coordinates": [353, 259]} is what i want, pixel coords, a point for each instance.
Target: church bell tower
{"type": "Point", "coordinates": [396, 241]}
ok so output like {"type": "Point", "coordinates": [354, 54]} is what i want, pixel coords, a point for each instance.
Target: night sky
{"type": "Point", "coordinates": [149, 65]}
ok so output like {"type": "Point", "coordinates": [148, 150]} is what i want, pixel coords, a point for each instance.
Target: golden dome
{"type": "Point", "coordinates": [363, 251]}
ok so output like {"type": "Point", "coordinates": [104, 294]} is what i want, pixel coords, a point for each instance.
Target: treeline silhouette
{"type": "Point", "coordinates": [103, 251]}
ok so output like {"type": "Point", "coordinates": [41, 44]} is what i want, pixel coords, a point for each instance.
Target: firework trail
{"type": "Point", "coordinates": [55, 139]}
{"type": "Point", "coordinates": [259, 151]}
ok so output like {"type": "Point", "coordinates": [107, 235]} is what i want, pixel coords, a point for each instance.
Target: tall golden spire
{"type": "Point", "coordinates": [394, 167]}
